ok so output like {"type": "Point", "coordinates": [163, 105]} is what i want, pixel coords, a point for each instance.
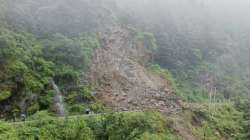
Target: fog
{"type": "Point", "coordinates": [79, 13]}
{"type": "Point", "coordinates": [223, 24]}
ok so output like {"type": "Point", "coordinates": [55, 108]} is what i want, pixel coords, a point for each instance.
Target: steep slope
{"type": "Point", "coordinates": [122, 81]}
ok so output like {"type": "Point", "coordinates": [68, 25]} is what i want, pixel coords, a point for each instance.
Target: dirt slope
{"type": "Point", "coordinates": [122, 81]}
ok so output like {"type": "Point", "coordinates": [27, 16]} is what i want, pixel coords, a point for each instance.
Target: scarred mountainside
{"type": "Point", "coordinates": [134, 70]}
{"type": "Point", "coordinates": [121, 79]}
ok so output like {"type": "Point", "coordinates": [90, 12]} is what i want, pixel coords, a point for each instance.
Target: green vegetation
{"type": "Point", "coordinates": [129, 126]}
{"type": "Point", "coordinates": [218, 121]}
{"type": "Point", "coordinates": [148, 39]}
{"type": "Point", "coordinates": [71, 57]}
{"type": "Point", "coordinates": [196, 55]}
{"type": "Point", "coordinates": [165, 74]}
{"type": "Point", "coordinates": [198, 69]}
{"type": "Point", "coordinates": [4, 94]}
{"type": "Point", "coordinates": [28, 64]}
{"type": "Point", "coordinates": [244, 107]}
{"type": "Point", "coordinates": [23, 70]}
{"type": "Point", "coordinates": [75, 52]}
{"type": "Point", "coordinates": [209, 122]}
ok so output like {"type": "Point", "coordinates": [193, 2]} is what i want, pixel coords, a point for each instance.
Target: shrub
{"type": "Point", "coordinates": [4, 94]}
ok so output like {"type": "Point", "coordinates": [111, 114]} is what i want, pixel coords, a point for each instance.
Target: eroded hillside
{"type": "Point", "coordinates": [122, 81]}
{"type": "Point", "coordinates": [124, 62]}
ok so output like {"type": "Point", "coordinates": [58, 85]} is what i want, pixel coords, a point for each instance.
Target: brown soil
{"type": "Point", "coordinates": [123, 82]}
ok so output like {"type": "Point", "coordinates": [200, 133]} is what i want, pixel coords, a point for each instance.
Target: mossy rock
{"type": "Point", "coordinates": [4, 94]}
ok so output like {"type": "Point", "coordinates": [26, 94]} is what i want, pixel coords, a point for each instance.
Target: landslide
{"type": "Point", "coordinates": [121, 78]}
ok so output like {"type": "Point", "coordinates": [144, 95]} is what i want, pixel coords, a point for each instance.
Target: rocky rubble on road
{"type": "Point", "coordinates": [122, 81]}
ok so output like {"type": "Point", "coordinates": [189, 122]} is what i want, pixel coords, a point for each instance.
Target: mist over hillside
{"type": "Point", "coordinates": [187, 60]}
{"type": "Point", "coordinates": [197, 39]}
{"type": "Point", "coordinates": [222, 24]}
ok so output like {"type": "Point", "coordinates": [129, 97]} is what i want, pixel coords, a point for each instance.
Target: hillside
{"type": "Point", "coordinates": [135, 70]}
{"type": "Point", "coordinates": [118, 71]}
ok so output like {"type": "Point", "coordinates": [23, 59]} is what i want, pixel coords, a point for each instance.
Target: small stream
{"type": "Point", "coordinates": [58, 100]}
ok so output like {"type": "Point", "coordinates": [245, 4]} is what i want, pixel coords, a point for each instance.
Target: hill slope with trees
{"type": "Point", "coordinates": [189, 57]}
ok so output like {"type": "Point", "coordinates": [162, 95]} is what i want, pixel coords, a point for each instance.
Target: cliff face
{"type": "Point", "coordinates": [122, 81]}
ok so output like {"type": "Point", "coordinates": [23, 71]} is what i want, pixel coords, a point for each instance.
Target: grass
{"type": "Point", "coordinates": [114, 126]}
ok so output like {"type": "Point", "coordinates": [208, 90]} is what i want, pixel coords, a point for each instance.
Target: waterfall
{"type": "Point", "coordinates": [58, 100]}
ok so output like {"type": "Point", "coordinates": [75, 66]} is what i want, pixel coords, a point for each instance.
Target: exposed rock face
{"type": "Point", "coordinates": [123, 82]}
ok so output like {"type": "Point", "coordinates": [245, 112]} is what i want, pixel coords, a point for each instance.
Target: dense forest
{"type": "Point", "coordinates": [110, 56]}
